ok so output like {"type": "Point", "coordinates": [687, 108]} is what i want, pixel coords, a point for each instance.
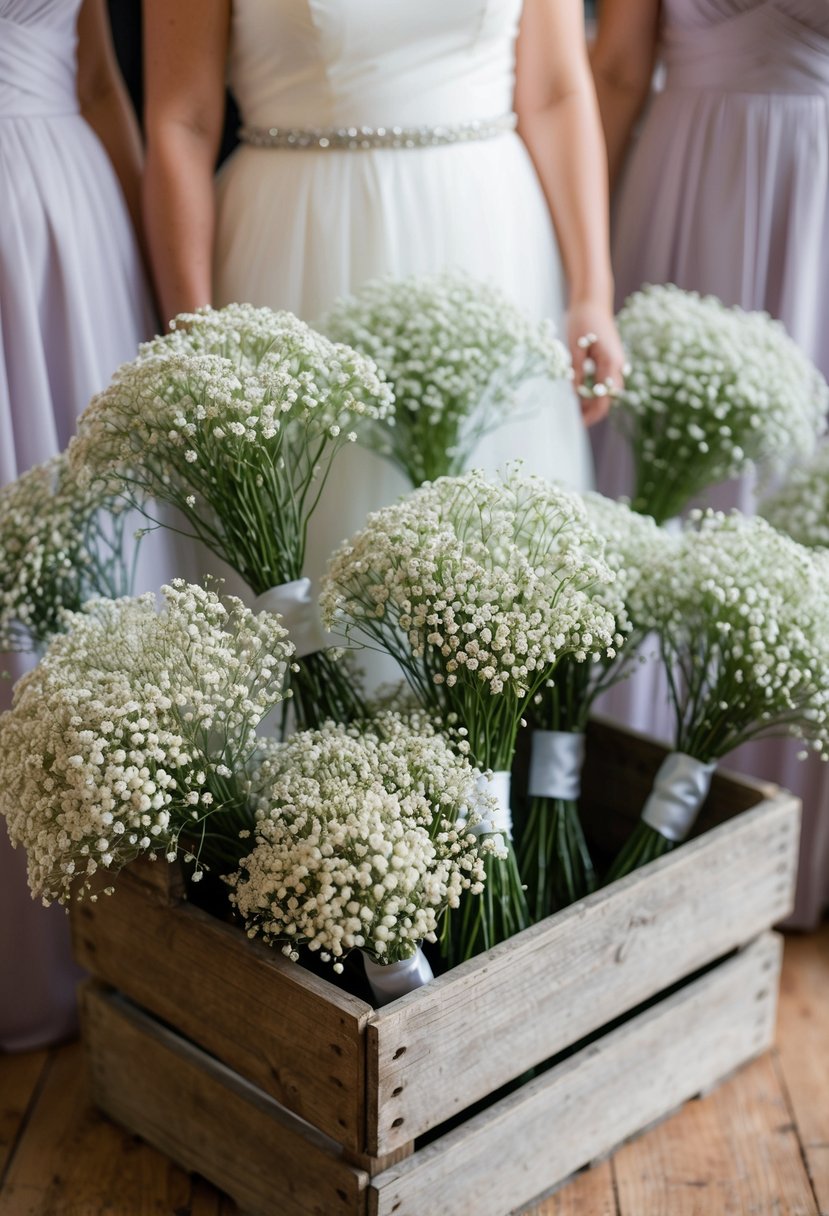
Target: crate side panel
{"type": "Point", "coordinates": [299, 1038]}
{"type": "Point", "coordinates": [585, 1107]}
{"type": "Point", "coordinates": [207, 1119]}
{"type": "Point", "coordinates": [435, 1051]}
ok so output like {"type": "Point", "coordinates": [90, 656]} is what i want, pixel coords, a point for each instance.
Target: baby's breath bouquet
{"type": "Point", "coordinates": [478, 588]}
{"type": "Point", "coordinates": [456, 351]}
{"type": "Point", "coordinates": [801, 506]}
{"type": "Point", "coordinates": [742, 616]}
{"type": "Point", "coordinates": [61, 543]}
{"type": "Point", "coordinates": [235, 418]}
{"type": "Point", "coordinates": [554, 858]}
{"type": "Point", "coordinates": [364, 839]}
{"type": "Point", "coordinates": [132, 735]}
{"type": "Point", "coordinates": [710, 392]}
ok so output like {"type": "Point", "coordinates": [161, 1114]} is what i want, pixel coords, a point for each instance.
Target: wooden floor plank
{"type": "Point", "coordinates": [73, 1162]}
{"type": "Point", "coordinates": [19, 1077]}
{"type": "Point", "coordinates": [803, 1046]}
{"type": "Point", "coordinates": [732, 1153]}
{"type": "Point", "coordinates": [589, 1194]}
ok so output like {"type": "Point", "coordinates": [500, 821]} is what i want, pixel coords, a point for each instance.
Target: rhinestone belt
{"type": "Point", "coordinates": [358, 138]}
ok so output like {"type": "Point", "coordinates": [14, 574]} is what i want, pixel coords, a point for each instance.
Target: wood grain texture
{"type": "Point", "coordinates": [803, 1047]}
{"type": "Point", "coordinates": [737, 1156]}
{"type": "Point", "coordinates": [209, 1120]}
{"type": "Point", "coordinates": [73, 1162]}
{"type": "Point", "coordinates": [297, 1036]}
{"type": "Point", "coordinates": [19, 1078]}
{"type": "Point", "coordinates": [590, 1193]}
{"type": "Point", "coordinates": [435, 1051]}
{"type": "Point", "coordinates": [583, 1107]}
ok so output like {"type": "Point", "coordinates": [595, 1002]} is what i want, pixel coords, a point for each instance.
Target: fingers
{"type": "Point", "coordinates": [594, 409]}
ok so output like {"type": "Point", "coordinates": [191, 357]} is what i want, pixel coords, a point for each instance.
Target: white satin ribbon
{"type": "Point", "coordinates": [679, 790]}
{"type": "Point", "coordinates": [300, 615]}
{"type": "Point", "coordinates": [391, 980]}
{"type": "Point", "coordinates": [497, 785]}
{"type": "Point", "coordinates": [556, 761]}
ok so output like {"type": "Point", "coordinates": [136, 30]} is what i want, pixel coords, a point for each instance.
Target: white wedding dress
{"type": "Point", "coordinates": [298, 227]}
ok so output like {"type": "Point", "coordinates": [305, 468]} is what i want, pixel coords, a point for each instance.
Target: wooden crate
{"type": "Point", "coordinates": [296, 1097]}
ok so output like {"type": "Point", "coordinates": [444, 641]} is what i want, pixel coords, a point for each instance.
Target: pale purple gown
{"type": "Point", "coordinates": [727, 192]}
{"type": "Point", "coordinates": [73, 305]}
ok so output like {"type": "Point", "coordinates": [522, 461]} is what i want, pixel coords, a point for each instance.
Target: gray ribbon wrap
{"type": "Point", "coordinates": [556, 762]}
{"type": "Point", "coordinates": [391, 980]}
{"type": "Point", "coordinates": [679, 790]}
{"type": "Point", "coordinates": [296, 605]}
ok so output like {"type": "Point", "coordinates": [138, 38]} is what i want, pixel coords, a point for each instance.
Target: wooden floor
{"type": "Point", "coordinates": [757, 1145]}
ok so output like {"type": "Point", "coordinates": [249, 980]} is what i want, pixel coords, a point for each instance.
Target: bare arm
{"type": "Point", "coordinates": [104, 103]}
{"type": "Point", "coordinates": [559, 121]}
{"type": "Point", "coordinates": [185, 47]}
{"type": "Point", "coordinates": [623, 58]}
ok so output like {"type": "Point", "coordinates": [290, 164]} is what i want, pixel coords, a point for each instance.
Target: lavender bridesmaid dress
{"type": "Point", "coordinates": [73, 305]}
{"type": "Point", "coordinates": [727, 193]}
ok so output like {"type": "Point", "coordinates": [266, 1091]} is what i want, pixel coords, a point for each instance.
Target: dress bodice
{"type": "Point", "coordinates": [748, 46]}
{"type": "Point", "coordinates": [337, 63]}
{"type": "Point", "coordinates": [37, 57]}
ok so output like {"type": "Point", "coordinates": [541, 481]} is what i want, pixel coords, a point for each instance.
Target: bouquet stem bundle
{"type": "Point", "coordinates": [742, 616]}
{"type": "Point", "coordinates": [456, 351]}
{"type": "Point", "coordinates": [235, 418]}
{"type": "Point", "coordinates": [478, 589]}
{"type": "Point", "coordinates": [711, 392]}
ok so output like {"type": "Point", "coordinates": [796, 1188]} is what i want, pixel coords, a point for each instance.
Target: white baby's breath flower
{"type": "Point", "coordinates": [711, 391]}
{"type": "Point", "coordinates": [456, 352]}
{"type": "Point", "coordinates": [61, 543]}
{"type": "Point", "coordinates": [362, 840]}
{"type": "Point", "coordinates": [125, 735]}
{"type": "Point", "coordinates": [801, 506]}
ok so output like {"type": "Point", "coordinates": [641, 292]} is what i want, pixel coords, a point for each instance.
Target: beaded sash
{"type": "Point", "coordinates": [360, 138]}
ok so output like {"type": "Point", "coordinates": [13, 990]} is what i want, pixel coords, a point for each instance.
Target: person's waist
{"type": "Point", "coordinates": [748, 72]}
{"type": "Point", "coordinates": [362, 137]}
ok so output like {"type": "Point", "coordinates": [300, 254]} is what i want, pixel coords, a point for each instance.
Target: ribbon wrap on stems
{"type": "Point", "coordinates": [500, 821]}
{"type": "Point", "coordinates": [556, 761]}
{"type": "Point", "coordinates": [388, 981]}
{"type": "Point", "coordinates": [679, 790]}
{"type": "Point", "coordinates": [296, 605]}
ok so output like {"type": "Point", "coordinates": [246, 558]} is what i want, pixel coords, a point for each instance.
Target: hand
{"type": "Point", "coordinates": [596, 351]}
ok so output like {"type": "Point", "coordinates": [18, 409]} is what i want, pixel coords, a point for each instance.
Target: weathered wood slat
{"type": "Point", "coordinates": [737, 1155]}
{"type": "Point", "coordinates": [803, 1044]}
{"type": "Point", "coordinates": [209, 1119]}
{"type": "Point", "coordinates": [19, 1078]}
{"type": "Point", "coordinates": [626, 1080]}
{"type": "Point", "coordinates": [295, 1035]}
{"type": "Point", "coordinates": [497, 1015]}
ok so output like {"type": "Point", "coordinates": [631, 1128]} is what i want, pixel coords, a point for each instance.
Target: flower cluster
{"type": "Point", "coordinates": [456, 352]}
{"type": "Point", "coordinates": [362, 840]}
{"type": "Point", "coordinates": [554, 858]}
{"type": "Point", "coordinates": [801, 506]}
{"type": "Point", "coordinates": [742, 615]}
{"type": "Point", "coordinates": [478, 588]}
{"type": "Point", "coordinates": [134, 731]}
{"type": "Point", "coordinates": [234, 418]}
{"type": "Point", "coordinates": [711, 390]}
{"type": "Point", "coordinates": [61, 543]}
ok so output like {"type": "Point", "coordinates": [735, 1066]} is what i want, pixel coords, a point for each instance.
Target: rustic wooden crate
{"type": "Point", "coordinates": [322, 1077]}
